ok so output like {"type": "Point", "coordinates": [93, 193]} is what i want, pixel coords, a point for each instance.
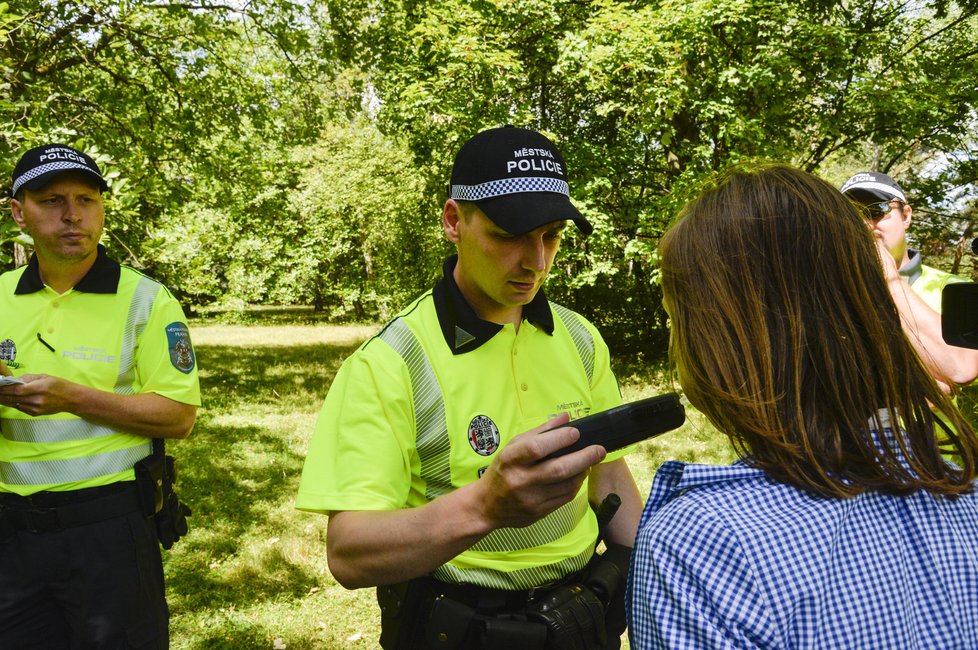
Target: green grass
{"type": "Point", "coordinates": [252, 572]}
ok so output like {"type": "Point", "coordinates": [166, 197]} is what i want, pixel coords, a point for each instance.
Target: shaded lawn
{"type": "Point", "coordinates": [252, 572]}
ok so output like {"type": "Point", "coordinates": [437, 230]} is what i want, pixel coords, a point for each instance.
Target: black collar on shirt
{"type": "Point", "coordinates": [103, 277]}
{"type": "Point", "coordinates": [463, 330]}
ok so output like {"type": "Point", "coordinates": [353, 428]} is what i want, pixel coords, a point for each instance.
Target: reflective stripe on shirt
{"type": "Point", "coordinates": [38, 430]}
{"type": "Point", "coordinates": [65, 470]}
{"type": "Point", "coordinates": [582, 338]}
{"type": "Point", "coordinates": [41, 430]}
{"type": "Point", "coordinates": [431, 429]}
{"type": "Point", "coordinates": [434, 452]}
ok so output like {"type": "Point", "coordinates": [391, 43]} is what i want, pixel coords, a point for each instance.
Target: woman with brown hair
{"type": "Point", "coordinates": [842, 525]}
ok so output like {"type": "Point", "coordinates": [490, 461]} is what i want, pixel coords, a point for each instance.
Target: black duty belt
{"type": "Point", "coordinates": [485, 598]}
{"type": "Point", "coordinates": [50, 512]}
{"type": "Point", "coordinates": [584, 611]}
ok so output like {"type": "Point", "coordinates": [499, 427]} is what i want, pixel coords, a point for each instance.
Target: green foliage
{"type": "Point", "coordinates": [222, 246]}
{"type": "Point", "coordinates": [152, 86]}
{"type": "Point", "coordinates": [361, 232]}
{"type": "Point", "coordinates": [281, 151]}
{"type": "Point", "coordinates": [252, 571]}
{"type": "Point", "coordinates": [649, 100]}
{"type": "Point", "coordinates": [341, 224]}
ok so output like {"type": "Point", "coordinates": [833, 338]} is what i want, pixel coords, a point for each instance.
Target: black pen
{"type": "Point", "coordinates": [44, 343]}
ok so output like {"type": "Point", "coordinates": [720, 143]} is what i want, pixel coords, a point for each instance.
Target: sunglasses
{"type": "Point", "coordinates": [876, 211]}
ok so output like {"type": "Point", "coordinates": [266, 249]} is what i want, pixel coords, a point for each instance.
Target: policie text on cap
{"type": "Point", "coordinates": [39, 166]}
{"type": "Point", "coordinates": [517, 178]}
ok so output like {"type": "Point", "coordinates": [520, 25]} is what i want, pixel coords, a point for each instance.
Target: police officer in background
{"type": "Point", "coordinates": [97, 363]}
{"type": "Point", "coordinates": [915, 287]}
{"type": "Point", "coordinates": [430, 453]}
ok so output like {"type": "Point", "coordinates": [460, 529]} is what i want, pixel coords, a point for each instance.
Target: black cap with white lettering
{"type": "Point", "coordinates": [40, 165]}
{"type": "Point", "coordinates": [517, 178]}
{"type": "Point", "coordinates": [868, 187]}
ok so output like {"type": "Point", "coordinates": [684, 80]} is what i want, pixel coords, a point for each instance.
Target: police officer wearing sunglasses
{"type": "Point", "coordinates": [915, 287]}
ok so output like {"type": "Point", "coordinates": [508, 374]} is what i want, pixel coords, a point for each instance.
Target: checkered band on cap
{"type": "Point", "coordinates": [506, 186]}
{"type": "Point", "coordinates": [61, 165]}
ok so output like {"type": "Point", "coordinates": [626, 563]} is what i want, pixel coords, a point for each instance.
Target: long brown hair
{"type": "Point", "coordinates": [785, 336]}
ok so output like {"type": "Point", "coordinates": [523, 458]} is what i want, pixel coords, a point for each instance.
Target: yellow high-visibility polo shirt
{"type": "Point", "coordinates": [116, 330]}
{"type": "Point", "coordinates": [422, 408]}
{"type": "Point", "coordinates": [931, 283]}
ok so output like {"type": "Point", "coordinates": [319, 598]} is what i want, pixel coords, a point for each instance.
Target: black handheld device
{"type": "Point", "coordinates": [959, 314]}
{"type": "Point", "coordinates": [627, 424]}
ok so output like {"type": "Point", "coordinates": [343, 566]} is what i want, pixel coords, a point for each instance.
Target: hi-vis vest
{"type": "Point", "coordinates": [433, 449]}
{"type": "Point", "coordinates": [429, 404]}
{"type": "Point", "coordinates": [406, 421]}
{"type": "Point", "coordinates": [930, 284]}
{"type": "Point", "coordinates": [87, 338]}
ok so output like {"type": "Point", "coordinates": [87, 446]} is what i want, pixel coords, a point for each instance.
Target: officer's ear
{"type": "Point", "coordinates": [907, 215]}
{"type": "Point", "coordinates": [17, 212]}
{"type": "Point", "coordinates": [451, 216]}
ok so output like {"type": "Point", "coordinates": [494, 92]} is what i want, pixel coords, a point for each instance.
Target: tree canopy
{"type": "Point", "coordinates": [294, 152]}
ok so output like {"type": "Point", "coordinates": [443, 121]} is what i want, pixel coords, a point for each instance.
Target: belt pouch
{"type": "Point", "coordinates": [171, 513]}
{"type": "Point", "coordinates": [402, 610]}
{"type": "Point", "coordinates": [606, 572]}
{"type": "Point", "coordinates": [448, 623]}
{"type": "Point", "coordinates": [149, 482]}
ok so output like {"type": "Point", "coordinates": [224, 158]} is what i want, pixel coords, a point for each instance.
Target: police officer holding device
{"type": "Point", "coordinates": [98, 369]}
{"type": "Point", "coordinates": [915, 287]}
{"type": "Point", "coordinates": [430, 455]}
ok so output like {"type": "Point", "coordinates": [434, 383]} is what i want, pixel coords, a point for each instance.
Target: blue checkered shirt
{"type": "Point", "coordinates": [727, 558]}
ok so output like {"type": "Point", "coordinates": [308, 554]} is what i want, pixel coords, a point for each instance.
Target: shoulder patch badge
{"type": "Point", "coordinates": [181, 349]}
{"type": "Point", "coordinates": [483, 435]}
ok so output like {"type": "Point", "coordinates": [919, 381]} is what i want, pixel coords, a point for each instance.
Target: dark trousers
{"type": "Point", "coordinates": [95, 586]}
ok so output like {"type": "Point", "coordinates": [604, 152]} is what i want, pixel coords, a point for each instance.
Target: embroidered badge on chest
{"type": "Point", "coordinates": [483, 435]}
{"type": "Point", "coordinates": [8, 352]}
